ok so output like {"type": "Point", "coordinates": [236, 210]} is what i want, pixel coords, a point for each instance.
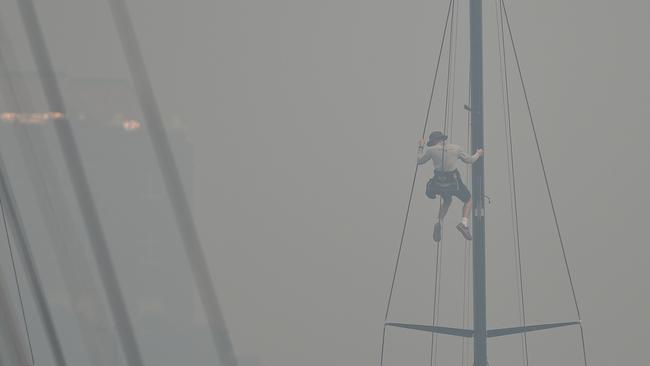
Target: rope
{"type": "Point", "coordinates": [451, 80]}
{"type": "Point", "coordinates": [546, 180]}
{"type": "Point", "coordinates": [447, 124]}
{"type": "Point", "coordinates": [410, 200]}
{"type": "Point", "coordinates": [20, 296]}
{"type": "Point", "coordinates": [408, 206]}
{"type": "Point", "coordinates": [512, 185]}
{"type": "Point", "coordinates": [415, 173]}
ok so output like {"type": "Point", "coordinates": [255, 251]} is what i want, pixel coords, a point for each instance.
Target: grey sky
{"type": "Point", "coordinates": [303, 118]}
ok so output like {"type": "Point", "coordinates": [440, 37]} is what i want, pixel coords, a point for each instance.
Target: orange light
{"type": "Point", "coordinates": [30, 118]}
{"type": "Point", "coordinates": [8, 117]}
{"type": "Point", "coordinates": [131, 124]}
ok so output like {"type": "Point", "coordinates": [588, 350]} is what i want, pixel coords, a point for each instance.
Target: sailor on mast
{"type": "Point", "coordinates": [446, 180]}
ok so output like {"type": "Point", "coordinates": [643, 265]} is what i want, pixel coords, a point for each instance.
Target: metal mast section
{"type": "Point", "coordinates": [478, 200]}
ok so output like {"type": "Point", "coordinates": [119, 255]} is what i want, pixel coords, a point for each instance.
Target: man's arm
{"type": "Point", "coordinates": [470, 159]}
{"type": "Point", "coordinates": [423, 156]}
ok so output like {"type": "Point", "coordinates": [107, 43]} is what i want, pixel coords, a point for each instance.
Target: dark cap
{"type": "Point", "coordinates": [435, 137]}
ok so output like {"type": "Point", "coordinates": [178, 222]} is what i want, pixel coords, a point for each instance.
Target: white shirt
{"type": "Point", "coordinates": [451, 154]}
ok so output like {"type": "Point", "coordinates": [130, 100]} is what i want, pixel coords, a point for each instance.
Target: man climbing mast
{"type": "Point", "coordinates": [446, 180]}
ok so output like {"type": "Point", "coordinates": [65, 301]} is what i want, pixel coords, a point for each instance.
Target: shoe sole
{"type": "Point", "coordinates": [464, 231]}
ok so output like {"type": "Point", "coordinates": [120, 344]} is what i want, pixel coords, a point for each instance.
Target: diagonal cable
{"type": "Point", "coordinates": [80, 184]}
{"type": "Point", "coordinates": [546, 180]}
{"type": "Point", "coordinates": [172, 181]}
{"type": "Point", "coordinates": [512, 175]}
{"type": "Point", "coordinates": [415, 174]}
{"type": "Point", "coordinates": [70, 254]}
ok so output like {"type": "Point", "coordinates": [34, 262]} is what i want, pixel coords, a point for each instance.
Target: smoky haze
{"type": "Point", "coordinates": [295, 124]}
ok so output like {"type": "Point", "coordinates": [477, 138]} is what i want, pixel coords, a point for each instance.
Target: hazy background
{"type": "Point", "coordinates": [300, 120]}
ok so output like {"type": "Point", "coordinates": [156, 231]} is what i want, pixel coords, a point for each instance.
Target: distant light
{"type": "Point", "coordinates": [56, 115]}
{"type": "Point", "coordinates": [131, 124]}
{"type": "Point", "coordinates": [31, 118]}
{"type": "Point", "coordinates": [8, 117]}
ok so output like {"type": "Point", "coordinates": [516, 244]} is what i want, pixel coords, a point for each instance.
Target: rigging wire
{"type": "Point", "coordinates": [410, 200]}
{"type": "Point", "coordinates": [15, 273]}
{"type": "Point", "coordinates": [446, 124]}
{"type": "Point", "coordinates": [453, 72]}
{"type": "Point", "coordinates": [546, 180]}
{"type": "Point", "coordinates": [433, 355]}
{"type": "Point", "coordinates": [512, 185]}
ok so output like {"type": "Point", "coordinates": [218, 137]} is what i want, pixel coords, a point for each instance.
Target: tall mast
{"type": "Point", "coordinates": [478, 201]}
{"type": "Point", "coordinates": [479, 333]}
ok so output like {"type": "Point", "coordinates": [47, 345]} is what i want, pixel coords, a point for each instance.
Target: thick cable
{"type": "Point", "coordinates": [546, 180]}
{"type": "Point", "coordinates": [14, 92]}
{"type": "Point", "coordinates": [80, 184]}
{"type": "Point", "coordinates": [172, 182]}
{"type": "Point", "coordinates": [12, 99]}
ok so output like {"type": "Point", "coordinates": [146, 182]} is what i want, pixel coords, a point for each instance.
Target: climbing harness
{"type": "Point", "coordinates": [443, 184]}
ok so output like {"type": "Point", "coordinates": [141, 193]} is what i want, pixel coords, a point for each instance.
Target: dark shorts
{"type": "Point", "coordinates": [462, 193]}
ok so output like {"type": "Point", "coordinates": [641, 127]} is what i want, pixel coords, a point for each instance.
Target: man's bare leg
{"type": "Point", "coordinates": [442, 211]}
{"type": "Point", "coordinates": [463, 226]}
{"type": "Point", "coordinates": [444, 207]}
{"type": "Point", "coordinates": [467, 210]}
